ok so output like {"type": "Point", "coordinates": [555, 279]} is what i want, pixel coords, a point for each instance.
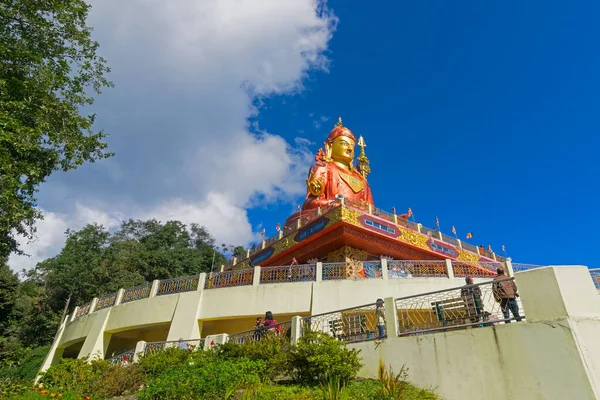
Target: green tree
{"type": "Point", "coordinates": [49, 71]}
{"type": "Point", "coordinates": [9, 285]}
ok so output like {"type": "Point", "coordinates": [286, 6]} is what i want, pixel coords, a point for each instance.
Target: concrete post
{"type": "Point", "coordinates": [93, 305]}
{"type": "Point", "coordinates": [296, 330]}
{"type": "Point", "coordinates": [370, 209]}
{"type": "Point", "coordinates": [459, 243]}
{"type": "Point", "coordinates": [384, 269]}
{"type": "Point", "coordinates": [509, 268]}
{"type": "Point", "coordinates": [449, 269]}
{"type": "Point", "coordinates": [140, 347]}
{"type": "Point", "coordinates": [119, 297]}
{"type": "Point", "coordinates": [419, 227]}
{"type": "Point", "coordinates": [74, 315]}
{"type": "Point", "coordinates": [214, 340]}
{"type": "Point", "coordinates": [319, 272]}
{"type": "Point", "coordinates": [319, 211]}
{"type": "Point", "coordinates": [256, 277]}
{"type": "Point", "coordinates": [440, 236]}
{"type": "Point", "coordinates": [395, 219]}
{"type": "Point", "coordinates": [264, 244]}
{"type": "Point", "coordinates": [154, 288]}
{"type": "Point", "coordinates": [280, 234]}
{"type": "Point", "coordinates": [298, 223]}
{"type": "Point", "coordinates": [201, 281]}
{"type": "Point", "coordinates": [247, 253]}
{"type": "Point", "coordinates": [391, 317]}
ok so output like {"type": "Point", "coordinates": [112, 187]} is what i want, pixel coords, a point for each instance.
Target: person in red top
{"type": "Point", "coordinates": [270, 322]}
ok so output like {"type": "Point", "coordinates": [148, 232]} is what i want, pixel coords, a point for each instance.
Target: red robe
{"type": "Point", "coordinates": [336, 180]}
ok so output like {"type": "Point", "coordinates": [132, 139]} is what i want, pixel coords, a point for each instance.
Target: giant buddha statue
{"type": "Point", "coordinates": [334, 175]}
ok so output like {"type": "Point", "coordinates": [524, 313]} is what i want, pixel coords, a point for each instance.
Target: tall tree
{"type": "Point", "coordinates": [49, 70]}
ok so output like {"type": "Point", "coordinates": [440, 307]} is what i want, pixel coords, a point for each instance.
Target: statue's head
{"type": "Point", "coordinates": [340, 144]}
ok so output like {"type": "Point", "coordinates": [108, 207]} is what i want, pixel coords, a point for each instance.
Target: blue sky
{"type": "Point", "coordinates": [482, 114]}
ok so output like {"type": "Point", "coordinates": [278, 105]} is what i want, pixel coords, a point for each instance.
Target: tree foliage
{"type": "Point", "coordinates": [92, 263]}
{"type": "Point", "coordinates": [49, 71]}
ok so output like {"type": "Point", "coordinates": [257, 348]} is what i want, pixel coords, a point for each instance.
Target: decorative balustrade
{"type": "Point", "coordinates": [83, 310]}
{"type": "Point", "coordinates": [450, 239]}
{"type": "Point", "coordinates": [122, 358]}
{"type": "Point", "coordinates": [242, 277]}
{"type": "Point", "coordinates": [475, 269]}
{"type": "Point", "coordinates": [178, 285]}
{"type": "Point", "coordinates": [191, 345]}
{"type": "Point", "coordinates": [256, 334]}
{"type": "Point", "coordinates": [359, 205]}
{"type": "Point", "coordinates": [469, 247]}
{"type": "Point", "coordinates": [518, 267]}
{"type": "Point", "coordinates": [429, 232]}
{"type": "Point", "coordinates": [271, 240]}
{"type": "Point", "coordinates": [356, 324]}
{"type": "Point", "coordinates": [290, 273]}
{"type": "Point", "coordinates": [421, 269]}
{"type": "Point", "coordinates": [384, 214]}
{"type": "Point", "coordinates": [136, 293]}
{"type": "Point", "coordinates": [351, 270]}
{"type": "Point", "coordinates": [451, 309]}
{"type": "Point", "coordinates": [595, 274]}
{"type": "Point", "coordinates": [106, 301]}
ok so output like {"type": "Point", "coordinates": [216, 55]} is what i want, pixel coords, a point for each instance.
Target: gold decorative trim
{"type": "Point", "coordinates": [466, 256]}
{"type": "Point", "coordinates": [350, 216]}
{"type": "Point", "coordinates": [414, 238]}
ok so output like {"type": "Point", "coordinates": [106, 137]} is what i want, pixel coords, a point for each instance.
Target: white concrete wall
{"type": "Point", "coordinates": [555, 354]}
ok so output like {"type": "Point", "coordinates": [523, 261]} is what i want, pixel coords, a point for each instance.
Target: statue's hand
{"type": "Point", "coordinates": [315, 187]}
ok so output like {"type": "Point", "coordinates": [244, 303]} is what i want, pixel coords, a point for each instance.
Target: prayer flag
{"type": "Point", "coordinates": [469, 235]}
{"type": "Point", "coordinates": [503, 248]}
{"type": "Point", "coordinates": [409, 211]}
{"type": "Point", "coordinates": [437, 223]}
{"type": "Point", "coordinates": [453, 229]}
{"type": "Point", "coordinates": [278, 227]}
{"type": "Point", "coordinates": [490, 248]}
{"type": "Point", "coordinates": [263, 232]}
{"type": "Point", "coordinates": [394, 210]}
{"type": "Point", "coordinates": [298, 209]}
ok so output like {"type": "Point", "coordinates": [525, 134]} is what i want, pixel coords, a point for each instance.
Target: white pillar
{"type": "Point", "coordinates": [391, 317]}
{"type": "Point", "coordinates": [154, 288]}
{"type": "Point", "coordinates": [256, 277]}
{"type": "Point", "coordinates": [140, 348]}
{"type": "Point", "coordinates": [280, 233]}
{"type": "Point", "coordinates": [459, 243]}
{"type": "Point", "coordinates": [384, 269]}
{"type": "Point", "coordinates": [55, 353]}
{"type": "Point", "coordinates": [201, 281]}
{"type": "Point", "coordinates": [319, 272]}
{"type": "Point", "coordinates": [74, 315]}
{"type": "Point", "coordinates": [213, 340]}
{"type": "Point", "coordinates": [264, 244]}
{"type": "Point", "coordinates": [296, 330]}
{"type": "Point", "coordinates": [449, 269]}
{"type": "Point", "coordinates": [370, 209]}
{"type": "Point", "coordinates": [93, 305]}
{"type": "Point", "coordinates": [509, 267]}
{"type": "Point", "coordinates": [119, 297]}
{"type": "Point", "coordinates": [419, 227]}
{"type": "Point", "coordinates": [440, 236]}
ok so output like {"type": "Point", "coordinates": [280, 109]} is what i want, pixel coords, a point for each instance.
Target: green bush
{"type": "Point", "coordinates": [273, 350]}
{"type": "Point", "coordinates": [153, 365]}
{"type": "Point", "coordinates": [204, 377]}
{"type": "Point", "coordinates": [75, 375]}
{"type": "Point", "coordinates": [24, 363]}
{"type": "Point", "coordinates": [318, 357]}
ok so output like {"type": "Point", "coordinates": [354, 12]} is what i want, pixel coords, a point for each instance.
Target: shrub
{"type": "Point", "coordinates": [75, 375]}
{"type": "Point", "coordinates": [158, 363]}
{"type": "Point", "coordinates": [204, 377]}
{"type": "Point", "coordinates": [318, 357]}
{"type": "Point", "coordinates": [118, 380]}
{"type": "Point", "coordinates": [273, 350]}
{"type": "Point", "coordinates": [24, 363]}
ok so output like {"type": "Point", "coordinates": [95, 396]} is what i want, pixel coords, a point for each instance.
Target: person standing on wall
{"type": "Point", "coordinates": [505, 292]}
{"type": "Point", "coordinates": [380, 313]}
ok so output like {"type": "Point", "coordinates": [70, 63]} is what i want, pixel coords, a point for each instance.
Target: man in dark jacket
{"type": "Point", "coordinates": [505, 292]}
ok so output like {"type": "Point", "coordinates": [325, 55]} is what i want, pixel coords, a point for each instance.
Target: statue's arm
{"type": "Point", "coordinates": [317, 177]}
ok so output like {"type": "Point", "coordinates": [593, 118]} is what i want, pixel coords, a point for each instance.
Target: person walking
{"type": "Point", "coordinates": [380, 313]}
{"type": "Point", "coordinates": [505, 293]}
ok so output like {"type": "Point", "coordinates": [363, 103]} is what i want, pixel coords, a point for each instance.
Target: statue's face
{"type": "Point", "coordinates": [342, 149]}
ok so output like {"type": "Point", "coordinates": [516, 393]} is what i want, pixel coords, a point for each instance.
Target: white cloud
{"type": "Point", "coordinates": [188, 76]}
{"type": "Point", "coordinates": [319, 122]}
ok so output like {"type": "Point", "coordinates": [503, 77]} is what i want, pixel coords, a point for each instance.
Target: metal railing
{"type": "Point", "coordinates": [469, 247]}
{"type": "Point", "coordinates": [191, 344]}
{"type": "Point", "coordinates": [351, 270]}
{"type": "Point", "coordinates": [595, 274]}
{"type": "Point", "coordinates": [410, 269]}
{"type": "Point", "coordinates": [475, 269]}
{"type": "Point", "coordinates": [359, 205]}
{"type": "Point", "coordinates": [291, 273]}
{"type": "Point", "coordinates": [83, 310]}
{"type": "Point", "coordinates": [178, 285]}
{"type": "Point", "coordinates": [518, 267]}
{"type": "Point", "coordinates": [256, 334]}
{"type": "Point", "coordinates": [106, 301]}
{"type": "Point", "coordinates": [356, 324]}
{"type": "Point", "coordinates": [450, 239]}
{"type": "Point", "coordinates": [136, 293]}
{"type": "Point", "coordinates": [242, 277]}
{"type": "Point", "coordinates": [467, 306]}
{"type": "Point", "coordinates": [429, 232]}
{"type": "Point", "coordinates": [384, 214]}
{"type": "Point", "coordinates": [121, 358]}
